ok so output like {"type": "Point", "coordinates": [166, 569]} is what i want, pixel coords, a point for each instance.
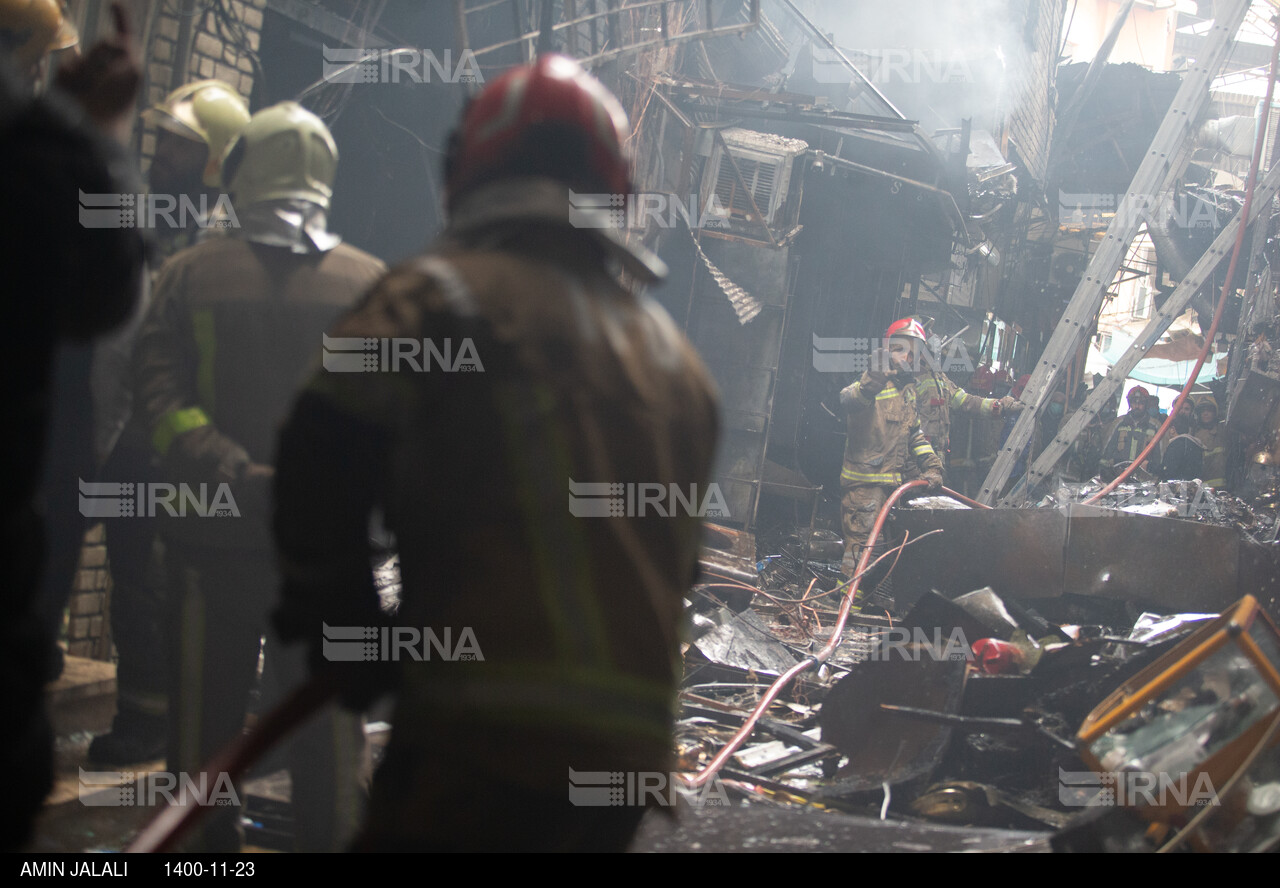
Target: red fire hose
{"type": "Point", "coordinates": [1250, 182]}
{"type": "Point", "coordinates": [164, 830]}
{"type": "Point", "coordinates": [722, 757]}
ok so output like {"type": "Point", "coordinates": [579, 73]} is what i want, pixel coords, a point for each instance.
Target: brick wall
{"type": "Point", "coordinates": [88, 631]}
{"type": "Point", "coordinates": [211, 53]}
{"type": "Point", "coordinates": [1029, 90]}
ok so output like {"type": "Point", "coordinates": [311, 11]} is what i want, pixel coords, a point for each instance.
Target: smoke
{"type": "Point", "coordinates": [972, 27]}
{"type": "Point", "coordinates": [937, 60]}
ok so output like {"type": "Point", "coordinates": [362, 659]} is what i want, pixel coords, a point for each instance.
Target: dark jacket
{"type": "Point", "coordinates": [1131, 434]}
{"type": "Point", "coordinates": [233, 331]}
{"type": "Point", "coordinates": [554, 376]}
{"type": "Point", "coordinates": [1183, 459]}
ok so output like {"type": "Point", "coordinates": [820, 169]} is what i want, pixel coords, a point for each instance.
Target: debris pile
{"type": "Point", "coordinates": [968, 711]}
{"type": "Point", "coordinates": [1258, 519]}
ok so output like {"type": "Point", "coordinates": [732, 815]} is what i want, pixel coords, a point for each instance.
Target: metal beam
{"type": "Point", "coordinates": [827, 42]}
{"type": "Point", "coordinates": [186, 39]}
{"type": "Point", "coordinates": [1162, 164]}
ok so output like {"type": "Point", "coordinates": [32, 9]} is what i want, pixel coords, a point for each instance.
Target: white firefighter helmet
{"type": "Point", "coordinates": [285, 151]}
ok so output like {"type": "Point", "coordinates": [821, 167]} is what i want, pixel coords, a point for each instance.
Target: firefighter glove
{"type": "Point", "coordinates": [879, 366]}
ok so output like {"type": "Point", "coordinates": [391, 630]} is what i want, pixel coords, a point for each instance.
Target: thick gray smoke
{"type": "Point", "coordinates": [937, 60]}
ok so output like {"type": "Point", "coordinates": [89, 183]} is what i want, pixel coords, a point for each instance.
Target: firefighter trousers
{"type": "Point", "coordinates": [858, 510]}
{"type": "Point", "coordinates": [220, 603]}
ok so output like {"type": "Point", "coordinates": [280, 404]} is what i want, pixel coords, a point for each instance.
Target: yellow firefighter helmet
{"type": "Point", "coordinates": [207, 111]}
{"type": "Point", "coordinates": [31, 28]}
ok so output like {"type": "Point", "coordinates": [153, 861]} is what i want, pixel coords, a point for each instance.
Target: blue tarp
{"type": "Point", "coordinates": [1156, 371]}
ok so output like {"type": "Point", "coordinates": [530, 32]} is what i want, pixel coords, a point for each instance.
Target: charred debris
{"type": "Point", "coordinates": [1083, 707]}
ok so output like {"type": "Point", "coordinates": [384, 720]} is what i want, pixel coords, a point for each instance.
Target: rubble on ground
{"type": "Point", "coordinates": [960, 712]}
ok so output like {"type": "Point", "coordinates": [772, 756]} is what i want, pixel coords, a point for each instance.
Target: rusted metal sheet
{"type": "Point", "coordinates": [1028, 554]}
{"type": "Point", "coordinates": [738, 828]}
{"type": "Point", "coordinates": [728, 553]}
{"type": "Point", "coordinates": [1259, 576]}
{"type": "Point", "coordinates": [739, 543]}
{"type": "Point", "coordinates": [1252, 404]}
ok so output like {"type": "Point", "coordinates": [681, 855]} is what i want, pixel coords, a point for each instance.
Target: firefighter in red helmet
{"type": "Point", "coordinates": [885, 444]}
{"type": "Point", "coordinates": [563, 616]}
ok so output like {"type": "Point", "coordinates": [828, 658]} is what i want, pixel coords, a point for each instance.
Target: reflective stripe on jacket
{"type": "Point", "coordinates": [937, 397]}
{"type": "Point", "coordinates": [885, 442]}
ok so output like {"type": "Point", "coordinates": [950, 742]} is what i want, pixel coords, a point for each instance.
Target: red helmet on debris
{"type": "Point", "coordinates": [550, 119]}
{"type": "Point", "coordinates": [909, 327]}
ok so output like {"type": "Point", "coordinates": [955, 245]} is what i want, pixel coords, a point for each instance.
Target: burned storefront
{"type": "Point", "coordinates": [978, 670]}
{"type": "Point", "coordinates": [816, 214]}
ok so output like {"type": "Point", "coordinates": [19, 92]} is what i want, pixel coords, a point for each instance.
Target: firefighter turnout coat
{"type": "Point", "coordinates": [503, 451]}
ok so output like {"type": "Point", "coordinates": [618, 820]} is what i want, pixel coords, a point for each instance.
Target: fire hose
{"type": "Point", "coordinates": [722, 757]}
{"type": "Point", "coordinates": [234, 760]}
{"type": "Point", "coordinates": [1250, 182]}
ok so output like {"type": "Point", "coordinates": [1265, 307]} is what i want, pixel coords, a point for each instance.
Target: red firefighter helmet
{"type": "Point", "coordinates": [983, 378]}
{"type": "Point", "coordinates": [908, 327]}
{"type": "Point", "coordinates": [1137, 392]}
{"type": "Point", "coordinates": [549, 119]}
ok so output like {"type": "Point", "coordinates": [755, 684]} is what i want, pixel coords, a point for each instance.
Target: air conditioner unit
{"type": "Point", "coordinates": [757, 182]}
